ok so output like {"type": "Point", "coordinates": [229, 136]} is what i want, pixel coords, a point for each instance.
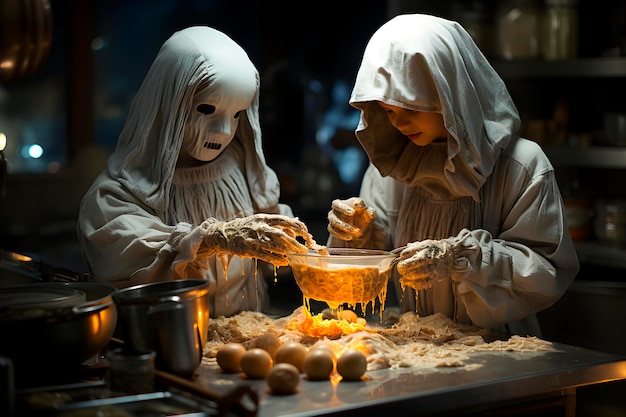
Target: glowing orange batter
{"type": "Point", "coordinates": [336, 286]}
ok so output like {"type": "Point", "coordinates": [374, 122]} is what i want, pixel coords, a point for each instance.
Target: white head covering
{"type": "Point", "coordinates": [191, 60]}
{"type": "Point", "coordinates": [427, 63]}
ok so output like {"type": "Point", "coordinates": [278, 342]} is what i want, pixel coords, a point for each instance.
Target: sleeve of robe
{"type": "Point", "coordinates": [521, 260]}
{"type": "Point", "coordinates": [518, 261]}
{"type": "Point", "coordinates": [125, 244]}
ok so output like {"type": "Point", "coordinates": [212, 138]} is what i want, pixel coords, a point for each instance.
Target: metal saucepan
{"type": "Point", "coordinates": [48, 340]}
{"type": "Point", "coordinates": [170, 317]}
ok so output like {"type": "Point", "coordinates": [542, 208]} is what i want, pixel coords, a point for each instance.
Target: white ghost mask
{"type": "Point", "coordinates": [192, 62]}
{"type": "Point", "coordinates": [214, 116]}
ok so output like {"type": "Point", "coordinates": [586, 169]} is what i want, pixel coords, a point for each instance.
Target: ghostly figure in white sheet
{"type": "Point", "coordinates": [187, 192]}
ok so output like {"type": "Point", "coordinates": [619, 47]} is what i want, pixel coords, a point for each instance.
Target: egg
{"type": "Point", "coordinates": [229, 357]}
{"type": "Point", "coordinates": [256, 363]}
{"type": "Point", "coordinates": [318, 364]}
{"type": "Point", "coordinates": [324, 346]}
{"type": "Point", "coordinates": [269, 342]}
{"type": "Point", "coordinates": [283, 378]}
{"type": "Point", "coordinates": [328, 314]}
{"type": "Point", "coordinates": [351, 365]}
{"type": "Point", "coordinates": [349, 316]}
{"type": "Point", "coordinates": [293, 353]}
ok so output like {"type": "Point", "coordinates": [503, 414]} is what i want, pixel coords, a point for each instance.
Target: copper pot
{"type": "Point", "coordinates": [25, 37]}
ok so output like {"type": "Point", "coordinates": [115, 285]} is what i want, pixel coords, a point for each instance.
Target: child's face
{"type": "Point", "coordinates": [421, 127]}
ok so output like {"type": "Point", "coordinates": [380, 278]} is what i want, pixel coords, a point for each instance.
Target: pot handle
{"type": "Point", "coordinates": [178, 337]}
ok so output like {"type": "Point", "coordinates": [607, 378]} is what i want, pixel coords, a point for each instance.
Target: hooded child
{"type": "Point", "coordinates": [477, 206]}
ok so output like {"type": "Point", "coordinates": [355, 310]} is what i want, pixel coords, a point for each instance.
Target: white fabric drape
{"type": "Point", "coordinates": [492, 191]}
{"type": "Point", "coordinates": [139, 221]}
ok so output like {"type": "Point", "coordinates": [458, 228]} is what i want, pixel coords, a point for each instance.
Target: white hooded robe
{"type": "Point", "coordinates": [493, 191]}
{"type": "Point", "coordinates": [140, 220]}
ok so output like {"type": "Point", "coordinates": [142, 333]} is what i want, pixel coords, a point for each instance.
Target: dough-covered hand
{"type": "Point", "coordinates": [268, 237]}
{"type": "Point", "coordinates": [423, 263]}
{"type": "Point", "coordinates": [349, 219]}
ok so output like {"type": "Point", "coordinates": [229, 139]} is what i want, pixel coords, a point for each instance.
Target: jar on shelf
{"type": "Point", "coordinates": [610, 221]}
{"type": "Point", "coordinates": [560, 30]}
{"type": "Point", "coordinates": [578, 211]}
{"type": "Point", "coordinates": [477, 18]}
{"type": "Point", "coordinates": [518, 26]}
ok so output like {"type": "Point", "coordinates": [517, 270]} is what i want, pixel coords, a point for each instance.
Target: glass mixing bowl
{"type": "Point", "coordinates": [344, 275]}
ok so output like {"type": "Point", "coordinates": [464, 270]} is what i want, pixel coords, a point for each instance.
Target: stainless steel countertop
{"type": "Point", "coordinates": [487, 378]}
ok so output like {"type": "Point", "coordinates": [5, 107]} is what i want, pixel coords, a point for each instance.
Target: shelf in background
{"type": "Point", "coordinates": [590, 157]}
{"type": "Point", "coordinates": [597, 253]}
{"type": "Point", "coordinates": [575, 68]}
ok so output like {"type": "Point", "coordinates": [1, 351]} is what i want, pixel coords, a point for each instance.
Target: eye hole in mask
{"type": "Point", "coordinates": [206, 108]}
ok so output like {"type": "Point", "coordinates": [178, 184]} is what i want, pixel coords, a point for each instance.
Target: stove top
{"type": "Point", "coordinates": [86, 392]}
{"type": "Point", "coordinates": [83, 390]}
{"type": "Point", "coordinates": [94, 398]}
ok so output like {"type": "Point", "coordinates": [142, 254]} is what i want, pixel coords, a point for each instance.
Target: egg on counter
{"type": "Point", "coordinates": [229, 357]}
{"type": "Point", "coordinates": [318, 364]}
{"type": "Point", "coordinates": [351, 365]}
{"type": "Point", "coordinates": [283, 379]}
{"type": "Point", "coordinates": [293, 353]}
{"type": "Point", "coordinates": [268, 342]}
{"type": "Point", "coordinates": [323, 345]}
{"type": "Point", "coordinates": [256, 363]}
{"type": "Point", "coordinates": [349, 316]}
{"type": "Point", "coordinates": [346, 314]}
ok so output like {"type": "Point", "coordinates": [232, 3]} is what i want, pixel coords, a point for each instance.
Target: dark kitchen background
{"type": "Point", "coordinates": [62, 121]}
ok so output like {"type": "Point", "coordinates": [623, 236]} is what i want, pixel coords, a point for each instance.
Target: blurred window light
{"type": "Point", "coordinates": [34, 151]}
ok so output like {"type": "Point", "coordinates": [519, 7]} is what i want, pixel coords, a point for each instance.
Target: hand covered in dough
{"type": "Point", "coordinates": [268, 237]}
{"type": "Point", "coordinates": [349, 219]}
{"type": "Point", "coordinates": [423, 263]}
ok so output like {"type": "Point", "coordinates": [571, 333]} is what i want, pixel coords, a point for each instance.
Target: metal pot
{"type": "Point", "coordinates": [171, 318]}
{"type": "Point", "coordinates": [45, 341]}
